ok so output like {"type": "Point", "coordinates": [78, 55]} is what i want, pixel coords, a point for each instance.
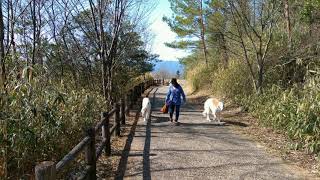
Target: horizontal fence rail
{"type": "Point", "coordinates": [49, 170]}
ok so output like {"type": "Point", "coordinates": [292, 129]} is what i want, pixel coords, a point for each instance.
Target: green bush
{"type": "Point", "coordinates": [44, 121]}
{"type": "Point", "coordinates": [294, 111]}
{"type": "Point", "coordinates": [232, 82]}
{"type": "Point", "coordinates": [199, 76]}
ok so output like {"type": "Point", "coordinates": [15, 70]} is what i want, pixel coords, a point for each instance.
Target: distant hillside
{"type": "Point", "coordinates": [171, 66]}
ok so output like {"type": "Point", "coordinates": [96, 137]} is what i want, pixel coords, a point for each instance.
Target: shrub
{"type": "Point", "coordinates": [199, 76]}
{"type": "Point", "coordinates": [294, 111]}
{"type": "Point", "coordinates": [44, 121]}
{"type": "Point", "coordinates": [232, 82]}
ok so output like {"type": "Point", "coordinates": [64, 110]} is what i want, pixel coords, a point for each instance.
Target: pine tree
{"type": "Point", "coordinates": [189, 23]}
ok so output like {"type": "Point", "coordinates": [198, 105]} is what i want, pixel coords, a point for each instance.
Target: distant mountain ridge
{"type": "Point", "coordinates": [170, 66]}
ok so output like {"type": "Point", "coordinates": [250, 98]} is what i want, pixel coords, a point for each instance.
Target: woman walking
{"type": "Point", "coordinates": [173, 99]}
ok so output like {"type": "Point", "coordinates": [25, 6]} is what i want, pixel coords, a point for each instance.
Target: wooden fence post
{"type": "Point", "coordinates": [140, 90]}
{"type": "Point", "coordinates": [45, 171]}
{"type": "Point", "coordinates": [128, 104]}
{"type": "Point", "coordinates": [117, 120]}
{"type": "Point", "coordinates": [130, 98]}
{"type": "Point", "coordinates": [137, 93]}
{"type": "Point", "coordinates": [134, 95]}
{"type": "Point", "coordinates": [90, 155]}
{"type": "Point", "coordinates": [106, 132]}
{"type": "Point", "coordinates": [122, 111]}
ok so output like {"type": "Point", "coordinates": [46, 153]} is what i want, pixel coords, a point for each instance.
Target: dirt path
{"type": "Point", "coordinates": [197, 149]}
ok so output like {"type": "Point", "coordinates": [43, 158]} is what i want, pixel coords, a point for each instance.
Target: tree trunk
{"type": "Point", "coordinates": [39, 53]}
{"type": "Point", "coordinates": [2, 54]}
{"type": "Point", "coordinates": [13, 43]}
{"type": "Point", "coordinates": [260, 78]}
{"type": "Point", "coordinates": [203, 30]}
{"type": "Point", "coordinates": [224, 51]}
{"type": "Point", "coordinates": [7, 44]}
{"type": "Point", "coordinates": [104, 71]}
{"type": "Point", "coordinates": [288, 22]}
{"type": "Point", "coordinates": [109, 85]}
{"type": "Point", "coordinates": [69, 59]}
{"type": "Point", "coordinates": [34, 23]}
{"type": "Point", "coordinates": [105, 68]}
{"type": "Point", "coordinates": [25, 40]}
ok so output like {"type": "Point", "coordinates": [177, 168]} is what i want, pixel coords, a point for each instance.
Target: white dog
{"type": "Point", "coordinates": [213, 105]}
{"type": "Point", "coordinates": [146, 108]}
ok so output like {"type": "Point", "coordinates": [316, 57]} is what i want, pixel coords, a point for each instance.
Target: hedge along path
{"type": "Point", "coordinates": [198, 149]}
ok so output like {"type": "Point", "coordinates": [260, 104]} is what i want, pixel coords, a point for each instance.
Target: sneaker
{"type": "Point", "coordinates": [171, 120]}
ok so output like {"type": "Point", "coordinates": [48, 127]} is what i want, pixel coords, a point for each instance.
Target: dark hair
{"type": "Point", "coordinates": [174, 82]}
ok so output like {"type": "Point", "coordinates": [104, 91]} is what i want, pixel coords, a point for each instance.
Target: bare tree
{"type": "Point", "coordinates": [255, 40]}
{"type": "Point", "coordinates": [107, 50]}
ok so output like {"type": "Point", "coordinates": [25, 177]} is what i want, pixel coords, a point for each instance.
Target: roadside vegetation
{"type": "Point", "coordinates": [62, 62]}
{"type": "Point", "coordinates": [264, 55]}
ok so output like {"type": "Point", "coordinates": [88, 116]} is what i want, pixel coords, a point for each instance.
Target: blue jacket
{"type": "Point", "coordinates": [174, 95]}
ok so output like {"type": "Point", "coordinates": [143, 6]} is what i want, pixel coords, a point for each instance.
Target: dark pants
{"type": "Point", "coordinates": [173, 107]}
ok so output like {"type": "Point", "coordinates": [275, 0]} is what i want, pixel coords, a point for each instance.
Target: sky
{"type": "Point", "coordinates": [162, 33]}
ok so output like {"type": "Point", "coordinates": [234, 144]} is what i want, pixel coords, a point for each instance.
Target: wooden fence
{"type": "Point", "coordinates": [49, 170]}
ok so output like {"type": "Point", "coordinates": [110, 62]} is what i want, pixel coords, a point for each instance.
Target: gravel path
{"type": "Point", "coordinates": [197, 149]}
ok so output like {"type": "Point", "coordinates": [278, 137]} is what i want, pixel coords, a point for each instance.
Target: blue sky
{"type": "Point", "coordinates": [163, 33]}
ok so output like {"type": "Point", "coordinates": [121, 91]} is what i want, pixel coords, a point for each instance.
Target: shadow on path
{"type": "Point", "coordinates": [235, 123]}
{"type": "Point", "coordinates": [146, 153]}
{"type": "Point", "coordinates": [125, 153]}
{"type": "Point", "coordinates": [147, 142]}
{"type": "Point", "coordinates": [221, 166]}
